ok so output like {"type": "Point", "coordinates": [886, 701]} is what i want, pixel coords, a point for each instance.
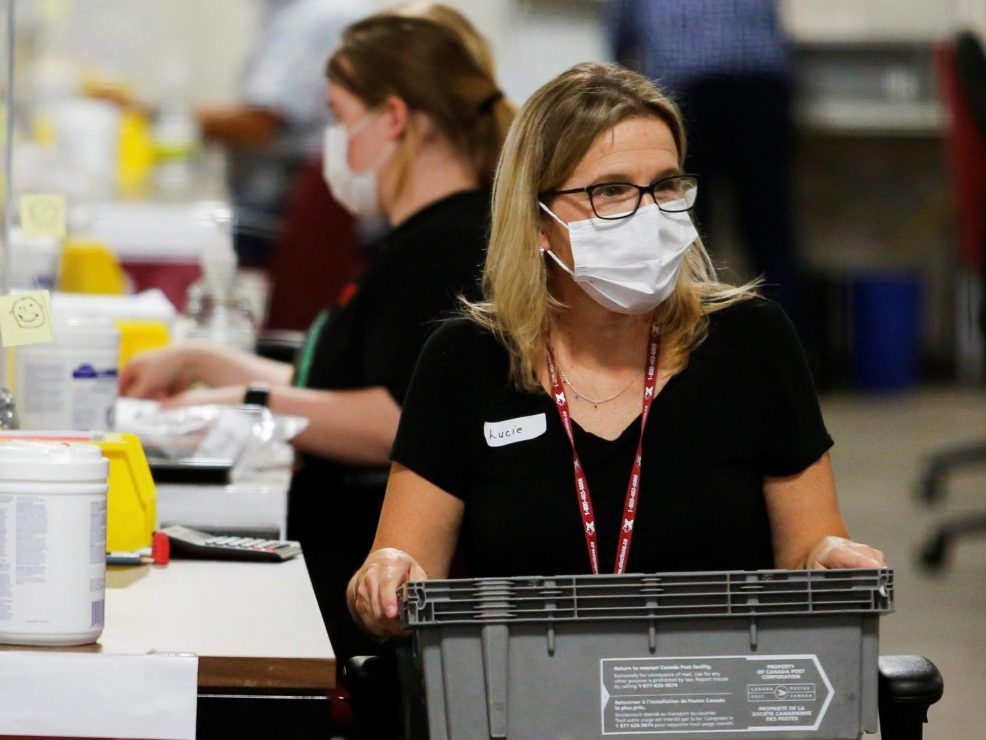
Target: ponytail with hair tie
{"type": "Point", "coordinates": [437, 69]}
{"type": "Point", "coordinates": [486, 106]}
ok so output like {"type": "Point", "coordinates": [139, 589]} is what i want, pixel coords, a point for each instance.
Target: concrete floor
{"type": "Point", "coordinates": [880, 445]}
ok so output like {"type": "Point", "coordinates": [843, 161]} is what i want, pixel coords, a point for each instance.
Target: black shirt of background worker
{"type": "Point", "coordinates": [414, 280]}
{"type": "Point", "coordinates": [744, 408]}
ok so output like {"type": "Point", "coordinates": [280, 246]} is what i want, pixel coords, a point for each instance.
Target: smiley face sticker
{"type": "Point", "coordinates": [29, 313]}
{"type": "Point", "coordinates": [25, 318]}
{"type": "Point", "coordinates": [43, 215]}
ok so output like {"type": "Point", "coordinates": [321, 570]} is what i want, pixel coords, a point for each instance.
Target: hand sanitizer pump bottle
{"type": "Point", "coordinates": [216, 310]}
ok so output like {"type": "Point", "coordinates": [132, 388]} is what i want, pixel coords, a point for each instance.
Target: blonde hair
{"type": "Point", "coordinates": [433, 68]}
{"type": "Point", "coordinates": [474, 42]}
{"type": "Point", "coordinates": [552, 132]}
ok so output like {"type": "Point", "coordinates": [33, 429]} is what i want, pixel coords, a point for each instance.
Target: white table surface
{"type": "Point", "coordinates": [253, 625]}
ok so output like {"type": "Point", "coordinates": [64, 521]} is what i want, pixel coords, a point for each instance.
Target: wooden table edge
{"type": "Point", "coordinates": [267, 672]}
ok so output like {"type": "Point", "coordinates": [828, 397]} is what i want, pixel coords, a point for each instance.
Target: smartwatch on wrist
{"type": "Point", "coordinates": [257, 394]}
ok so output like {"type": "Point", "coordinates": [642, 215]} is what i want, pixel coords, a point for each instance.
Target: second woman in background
{"type": "Point", "coordinates": [419, 125]}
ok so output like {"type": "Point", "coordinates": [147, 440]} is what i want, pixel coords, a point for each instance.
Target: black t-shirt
{"type": "Point", "coordinates": [744, 408]}
{"type": "Point", "coordinates": [417, 273]}
{"type": "Point", "coordinates": [374, 337]}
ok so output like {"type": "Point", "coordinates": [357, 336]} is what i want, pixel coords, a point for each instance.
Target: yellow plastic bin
{"type": "Point", "coordinates": [88, 266]}
{"type": "Point", "coordinates": [132, 499]}
{"type": "Point", "coordinates": [140, 336]}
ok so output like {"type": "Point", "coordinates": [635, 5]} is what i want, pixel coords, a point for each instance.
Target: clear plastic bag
{"type": "Point", "coordinates": [251, 437]}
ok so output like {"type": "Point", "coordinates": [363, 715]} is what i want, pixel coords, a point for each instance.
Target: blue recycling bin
{"type": "Point", "coordinates": [886, 330]}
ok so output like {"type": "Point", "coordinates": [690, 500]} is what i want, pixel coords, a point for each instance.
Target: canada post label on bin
{"type": "Point", "coordinates": [712, 693]}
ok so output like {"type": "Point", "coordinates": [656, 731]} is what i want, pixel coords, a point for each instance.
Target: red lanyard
{"type": "Point", "coordinates": [633, 487]}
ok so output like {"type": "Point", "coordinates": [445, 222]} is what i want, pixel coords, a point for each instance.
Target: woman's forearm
{"type": "Point", "coordinates": [356, 426]}
{"type": "Point", "coordinates": [218, 366]}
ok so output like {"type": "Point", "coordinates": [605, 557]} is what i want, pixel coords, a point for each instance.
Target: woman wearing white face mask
{"type": "Point", "coordinates": [611, 406]}
{"type": "Point", "coordinates": [420, 122]}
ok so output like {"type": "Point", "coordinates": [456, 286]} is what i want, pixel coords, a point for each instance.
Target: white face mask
{"type": "Point", "coordinates": [356, 191]}
{"type": "Point", "coordinates": [629, 265]}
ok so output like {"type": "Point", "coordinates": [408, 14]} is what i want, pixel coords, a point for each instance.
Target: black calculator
{"type": "Point", "coordinates": [191, 543]}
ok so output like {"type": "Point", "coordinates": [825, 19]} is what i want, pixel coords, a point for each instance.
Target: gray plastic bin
{"type": "Point", "coordinates": [705, 655]}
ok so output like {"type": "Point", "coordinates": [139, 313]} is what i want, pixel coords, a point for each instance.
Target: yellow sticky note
{"type": "Point", "coordinates": [25, 318]}
{"type": "Point", "coordinates": [43, 215]}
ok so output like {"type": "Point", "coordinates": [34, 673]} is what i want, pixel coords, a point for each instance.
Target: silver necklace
{"type": "Point", "coordinates": [593, 401]}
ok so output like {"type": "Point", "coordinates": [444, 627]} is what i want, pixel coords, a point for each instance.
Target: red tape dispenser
{"type": "Point", "coordinates": [159, 553]}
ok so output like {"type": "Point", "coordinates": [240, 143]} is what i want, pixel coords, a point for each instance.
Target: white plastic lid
{"type": "Point", "coordinates": [62, 462]}
{"type": "Point", "coordinates": [76, 331]}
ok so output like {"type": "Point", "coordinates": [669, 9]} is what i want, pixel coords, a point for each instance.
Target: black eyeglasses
{"type": "Point", "coordinates": [616, 200]}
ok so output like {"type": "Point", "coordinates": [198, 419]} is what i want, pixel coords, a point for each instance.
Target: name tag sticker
{"type": "Point", "coordinates": [521, 429]}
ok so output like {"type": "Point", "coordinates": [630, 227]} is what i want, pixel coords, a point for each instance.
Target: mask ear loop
{"type": "Point", "coordinates": [547, 210]}
{"type": "Point", "coordinates": [362, 123]}
{"type": "Point", "coordinates": [549, 252]}
{"type": "Point", "coordinates": [383, 154]}
{"type": "Point", "coordinates": [558, 261]}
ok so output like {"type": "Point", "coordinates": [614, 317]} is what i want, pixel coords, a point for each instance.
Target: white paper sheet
{"type": "Point", "coordinates": [96, 695]}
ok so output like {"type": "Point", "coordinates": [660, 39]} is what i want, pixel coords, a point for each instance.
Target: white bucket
{"type": "Point", "coordinates": [52, 542]}
{"type": "Point", "coordinates": [71, 383]}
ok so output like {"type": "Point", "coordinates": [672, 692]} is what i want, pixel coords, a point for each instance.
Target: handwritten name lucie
{"type": "Point", "coordinates": [510, 431]}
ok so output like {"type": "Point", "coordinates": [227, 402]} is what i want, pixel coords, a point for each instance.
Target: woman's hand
{"type": "Point", "coordinates": [373, 590]}
{"type": "Point", "coordinates": [163, 373]}
{"type": "Point", "coordinates": [839, 552]}
{"type": "Point", "coordinates": [159, 374]}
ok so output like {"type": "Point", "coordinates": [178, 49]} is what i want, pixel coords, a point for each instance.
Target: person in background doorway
{"type": "Point", "coordinates": [278, 119]}
{"type": "Point", "coordinates": [727, 64]}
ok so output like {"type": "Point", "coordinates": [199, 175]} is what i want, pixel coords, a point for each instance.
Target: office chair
{"type": "Point", "coordinates": [962, 68]}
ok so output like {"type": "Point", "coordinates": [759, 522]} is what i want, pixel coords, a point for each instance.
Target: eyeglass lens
{"type": "Point", "coordinates": [619, 200]}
